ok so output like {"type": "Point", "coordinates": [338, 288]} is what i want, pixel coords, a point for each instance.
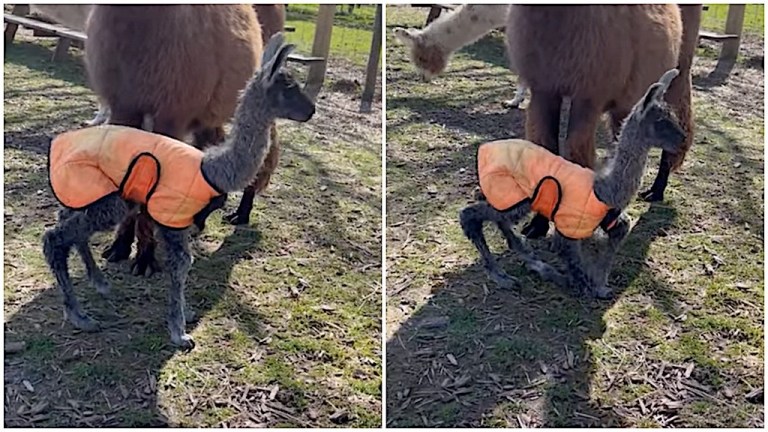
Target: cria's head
{"type": "Point", "coordinates": [655, 118]}
{"type": "Point", "coordinates": [284, 95]}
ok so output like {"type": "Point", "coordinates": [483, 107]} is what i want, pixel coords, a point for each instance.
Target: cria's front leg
{"type": "Point", "coordinates": [616, 237]}
{"type": "Point", "coordinates": [570, 252]}
{"type": "Point", "coordinates": [472, 219]}
{"type": "Point", "coordinates": [179, 261]}
{"type": "Point", "coordinates": [546, 271]}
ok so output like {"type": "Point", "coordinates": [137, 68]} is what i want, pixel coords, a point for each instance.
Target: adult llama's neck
{"type": "Point", "coordinates": [465, 25]}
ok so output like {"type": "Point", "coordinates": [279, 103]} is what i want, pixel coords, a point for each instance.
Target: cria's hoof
{"type": "Point", "coordinates": [651, 196]}
{"type": "Point", "coordinates": [102, 287]}
{"type": "Point", "coordinates": [237, 219]}
{"type": "Point", "coordinates": [184, 341]}
{"type": "Point", "coordinates": [119, 251]}
{"type": "Point", "coordinates": [603, 293]}
{"type": "Point", "coordinates": [145, 264]}
{"type": "Point", "coordinates": [547, 272]}
{"type": "Point", "coordinates": [82, 321]}
{"type": "Point", "coordinates": [503, 280]}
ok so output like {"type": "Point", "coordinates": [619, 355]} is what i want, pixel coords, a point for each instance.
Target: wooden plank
{"type": "Point", "coordinates": [716, 37]}
{"type": "Point", "coordinates": [11, 28]}
{"type": "Point", "coordinates": [52, 28]}
{"type": "Point", "coordinates": [298, 58]}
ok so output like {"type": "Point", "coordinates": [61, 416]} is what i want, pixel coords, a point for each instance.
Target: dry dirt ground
{"type": "Point", "coordinates": [682, 342]}
{"type": "Point", "coordinates": [289, 307]}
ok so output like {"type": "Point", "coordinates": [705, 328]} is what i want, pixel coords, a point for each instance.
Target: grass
{"type": "Point", "coordinates": [690, 277]}
{"type": "Point", "coordinates": [351, 36]}
{"type": "Point", "coordinates": [289, 307]}
{"type": "Point", "coordinates": [754, 18]}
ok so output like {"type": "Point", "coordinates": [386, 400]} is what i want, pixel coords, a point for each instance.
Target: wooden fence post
{"type": "Point", "coordinates": [10, 28]}
{"type": "Point", "coordinates": [373, 64]}
{"type": "Point", "coordinates": [320, 48]}
{"type": "Point", "coordinates": [733, 25]}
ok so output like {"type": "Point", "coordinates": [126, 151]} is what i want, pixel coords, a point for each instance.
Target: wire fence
{"type": "Point", "coordinates": [714, 19]}
{"type": "Point", "coordinates": [352, 30]}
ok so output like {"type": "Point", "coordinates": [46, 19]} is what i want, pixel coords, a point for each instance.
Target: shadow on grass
{"type": "Point", "coordinates": [37, 57]}
{"type": "Point", "coordinates": [509, 346]}
{"type": "Point", "coordinates": [110, 378]}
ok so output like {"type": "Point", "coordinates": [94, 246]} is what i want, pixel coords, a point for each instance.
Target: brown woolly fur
{"type": "Point", "coordinates": [603, 57]}
{"type": "Point", "coordinates": [272, 20]}
{"type": "Point", "coordinates": [215, 49]}
{"type": "Point", "coordinates": [679, 94]}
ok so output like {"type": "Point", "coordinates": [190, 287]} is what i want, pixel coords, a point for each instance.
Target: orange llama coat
{"type": "Point", "coordinates": [513, 171]}
{"type": "Point", "coordinates": [149, 169]}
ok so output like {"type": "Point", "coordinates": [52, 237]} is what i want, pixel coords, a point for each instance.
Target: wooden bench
{"type": "Point", "coordinates": [67, 36]}
{"type": "Point", "coordinates": [434, 10]}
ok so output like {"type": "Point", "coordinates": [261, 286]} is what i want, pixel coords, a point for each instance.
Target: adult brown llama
{"type": "Point", "coordinates": [602, 58]}
{"type": "Point", "coordinates": [215, 50]}
{"type": "Point", "coordinates": [272, 20]}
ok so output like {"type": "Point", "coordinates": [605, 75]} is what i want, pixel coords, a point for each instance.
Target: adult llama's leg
{"type": "Point", "coordinates": [679, 98]}
{"type": "Point", "coordinates": [542, 124]}
{"type": "Point", "coordinates": [260, 183]}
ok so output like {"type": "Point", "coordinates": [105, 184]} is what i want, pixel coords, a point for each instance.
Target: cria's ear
{"type": "Point", "coordinates": [406, 36]}
{"type": "Point", "coordinates": [270, 51]}
{"type": "Point", "coordinates": [279, 62]}
{"type": "Point", "coordinates": [657, 90]}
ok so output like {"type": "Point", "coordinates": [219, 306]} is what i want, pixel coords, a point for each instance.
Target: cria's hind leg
{"type": "Point", "coordinates": [546, 271]}
{"type": "Point", "coordinates": [74, 229]}
{"type": "Point", "coordinates": [179, 261]}
{"type": "Point", "coordinates": [472, 219]}
{"type": "Point", "coordinates": [95, 276]}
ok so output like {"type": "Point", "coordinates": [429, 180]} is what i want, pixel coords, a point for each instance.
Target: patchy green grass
{"type": "Point", "coordinates": [754, 18]}
{"type": "Point", "coordinates": [289, 308]}
{"type": "Point", "coordinates": [681, 345]}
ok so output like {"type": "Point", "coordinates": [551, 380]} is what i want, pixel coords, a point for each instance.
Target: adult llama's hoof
{"type": "Point", "coordinates": [119, 251]}
{"type": "Point", "coordinates": [651, 195]}
{"type": "Point", "coordinates": [536, 228]}
{"type": "Point", "coordinates": [238, 219]}
{"type": "Point", "coordinates": [145, 264]}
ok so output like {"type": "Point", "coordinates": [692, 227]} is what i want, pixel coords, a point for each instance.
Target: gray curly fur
{"type": "Point", "coordinates": [650, 124]}
{"type": "Point", "coordinates": [269, 95]}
